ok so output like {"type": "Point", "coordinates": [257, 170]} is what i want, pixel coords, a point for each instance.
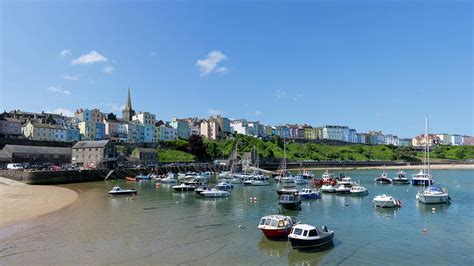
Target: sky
{"type": "Point", "coordinates": [378, 65]}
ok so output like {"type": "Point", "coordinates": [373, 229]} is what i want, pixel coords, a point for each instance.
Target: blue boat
{"type": "Point", "coordinates": [309, 193]}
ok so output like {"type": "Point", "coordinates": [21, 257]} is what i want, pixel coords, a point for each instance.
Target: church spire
{"type": "Point", "coordinates": [128, 113]}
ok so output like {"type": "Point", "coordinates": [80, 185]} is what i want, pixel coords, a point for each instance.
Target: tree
{"type": "Point", "coordinates": [196, 147]}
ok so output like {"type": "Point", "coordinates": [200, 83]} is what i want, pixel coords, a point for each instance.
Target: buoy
{"type": "Point", "coordinates": [177, 202]}
{"type": "Point", "coordinates": [240, 226]}
{"type": "Point", "coordinates": [433, 209]}
{"type": "Point", "coordinates": [425, 230]}
{"type": "Point", "coordinates": [347, 204]}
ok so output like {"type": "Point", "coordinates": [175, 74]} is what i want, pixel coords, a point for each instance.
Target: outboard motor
{"type": "Point", "coordinates": [325, 228]}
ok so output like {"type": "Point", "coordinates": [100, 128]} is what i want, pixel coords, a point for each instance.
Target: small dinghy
{"type": "Point", "coordinates": [305, 236]}
{"type": "Point", "coordinates": [128, 178]}
{"type": "Point", "coordinates": [386, 201]}
{"type": "Point", "coordinates": [116, 190]}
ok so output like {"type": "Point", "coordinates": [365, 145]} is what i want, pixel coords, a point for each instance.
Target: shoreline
{"type": "Point", "coordinates": [20, 202]}
{"type": "Point", "coordinates": [400, 167]}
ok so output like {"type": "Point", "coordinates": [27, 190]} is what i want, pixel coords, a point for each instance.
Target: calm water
{"type": "Point", "coordinates": [164, 227]}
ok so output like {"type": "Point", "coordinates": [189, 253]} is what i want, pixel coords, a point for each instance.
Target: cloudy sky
{"type": "Point", "coordinates": [373, 65]}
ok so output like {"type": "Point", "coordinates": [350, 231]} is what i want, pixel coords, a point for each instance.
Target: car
{"type": "Point", "coordinates": [15, 166]}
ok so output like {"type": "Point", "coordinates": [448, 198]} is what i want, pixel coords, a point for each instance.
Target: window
{"type": "Point", "coordinates": [297, 231]}
{"type": "Point", "coordinates": [274, 223]}
{"type": "Point", "coordinates": [313, 232]}
{"type": "Point", "coordinates": [305, 233]}
{"type": "Point", "coordinates": [268, 221]}
{"type": "Point", "coordinates": [281, 223]}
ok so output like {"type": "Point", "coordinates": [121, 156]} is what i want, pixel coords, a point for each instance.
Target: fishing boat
{"type": "Point", "coordinates": [290, 202]}
{"type": "Point", "coordinates": [424, 178]}
{"type": "Point", "coordinates": [287, 190]}
{"type": "Point", "coordinates": [401, 178]}
{"type": "Point", "coordinates": [116, 190]}
{"type": "Point", "coordinates": [276, 226]}
{"type": "Point", "coordinates": [433, 195]}
{"type": "Point", "coordinates": [386, 201]}
{"type": "Point", "coordinates": [305, 236]}
{"type": "Point", "coordinates": [345, 181]}
{"type": "Point", "coordinates": [215, 193]}
{"type": "Point", "coordinates": [383, 178]}
{"type": "Point", "coordinates": [224, 185]}
{"type": "Point", "coordinates": [328, 188]}
{"type": "Point", "coordinates": [342, 189]}
{"type": "Point", "coordinates": [300, 180]}
{"type": "Point", "coordinates": [309, 193]}
{"type": "Point", "coordinates": [183, 187]}
{"type": "Point", "coordinates": [358, 190]}
{"type": "Point", "coordinates": [129, 178]}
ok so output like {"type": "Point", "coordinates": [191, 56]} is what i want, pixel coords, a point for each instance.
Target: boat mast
{"type": "Point", "coordinates": [284, 157]}
{"type": "Point", "coordinates": [427, 146]}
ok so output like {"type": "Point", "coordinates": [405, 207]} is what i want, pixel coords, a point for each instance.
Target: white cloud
{"type": "Point", "coordinates": [90, 58]}
{"type": "Point", "coordinates": [215, 112]}
{"type": "Point", "coordinates": [258, 113]}
{"type": "Point", "coordinates": [109, 69]}
{"type": "Point", "coordinates": [58, 90]}
{"type": "Point", "coordinates": [73, 77]}
{"type": "Point", "coordinates": [64, 53]}
{"type": "Point", "coordinates": [62, 111]}
{"type": "Point", "coordinates": [152, 53]}
{"type": "Point", "coordinates": [211, 63]}
{"type": "Point", "coordinates": [279, 94]}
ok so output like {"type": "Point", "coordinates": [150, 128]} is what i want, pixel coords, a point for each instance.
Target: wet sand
{"type": "Point", "coordinates": [20, 202]}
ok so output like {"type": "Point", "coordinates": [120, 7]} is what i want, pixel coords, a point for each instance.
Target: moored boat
{"type": "Point", "coordinates": [401, 178]}
{"type": "Point", "coordinates": [129, 178]}
{"type": "Point", "coordinates": [215, 193]}
{"type": "Point", "coordinates": [342, 189]}
{"type": "Point", "coordinates": [383, 179]}
{"type": "Point", "coordinates": [433, 195]}
{"type": "Point", "coordinates": [289, 190]}
{"type": "Point", "coordinates": [305, 236]}
{"type": "Point", "coordinates": [224, 185]}
{"type": "Point", "coordinates": [309, 193]}
{"type": "Point", "coordinates": [358, 190]}
{"type": "Point", "coordinates": [328, 188]}
{"type": "Point", "coordinates": [201, 189]}
{"type": "Point", "coordinates": [386, 201]}
{"type": "Point", "coordinates": [276, 226]}
{"type": "Point", "coordinates": [116, 190]}
{"type": "Point", "coordinates": [142, 177]}
{"type": "Point", "coordinates": [345, 181]}
{"type": "Point", "coordinates": [300, 180]}
{"type": "Point", "coordinates": [183, 187]}
{"type": "Point", "coordinates": [290, 202]}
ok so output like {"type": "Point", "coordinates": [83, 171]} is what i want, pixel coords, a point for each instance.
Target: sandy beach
{"type": "Point", "coordinates": [20, 202]}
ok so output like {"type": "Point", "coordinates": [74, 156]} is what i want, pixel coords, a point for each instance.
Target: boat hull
{"type": "Point", "coordinates": [360, 193]}
{"type": "Point", "coordinates": [433, 199]}
{"type": "Point", "coordinates": [184, 189]}
{"type": "Point", "coordinates": [386, 204]}
{"type": "Point", "coordinates": [421, 182]}
{"type": "Point", "coordinates": [311, 243]}
{"type": "Point", "coordinates": [122, 192]}
{"type": "Point", "coordinates": [291, 205]}
{"type": "Point", "coordinates": [401, 181]}
{"type": "Point", "coordinates": [310, 196]}
{"type": "Point", "coordinates": [276, 233]}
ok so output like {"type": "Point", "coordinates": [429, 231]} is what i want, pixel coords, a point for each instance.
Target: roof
{"type": "Point", "coordinates": [91, 144]}
{"type": "Point", "coordinates": [146, 150]}
{"type": "Point", "coordinates": [23, 149]}
{"type": "Point", "coordinates": [40, 125]}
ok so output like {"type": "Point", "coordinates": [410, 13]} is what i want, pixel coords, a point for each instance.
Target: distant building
{"type": "Point", "coordinates": [146, 156]}
{"type": "Point", "coordinates": [36, 154]}
{"type": "Point", "coordinates": [444, 139]}
{"type": "Point", "coordinates": [456, 140]}
{"type": "Point", "coordinates": [163, 132]}
{"type": "Point", "coordinates": [362, 138]}
{"type": "Point", "coordinates": [37, 131]}
{"type": "Point", "coordinates": [468, 140]}
{"type": "Point", "coordinates": [352, 136]}
{"type": "Point", "coordinates": [420, 141]}
{"type": "Point", "coordinates": [86, 115]}
{"type": "Point", "coordinates": [93, 154]}
{"type": "Point", "coordinates": [211, 129]}
{"type": "Point", "coordinates": [182, 127]}
{"type": "Point", "coordinates": [10, 127]}
{"type": "Point", "coordinates": [148, 121]}
{"type": "Point", "coordinates": [332, 132]}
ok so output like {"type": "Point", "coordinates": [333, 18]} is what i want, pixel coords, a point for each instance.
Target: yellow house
{"type": "Point", "coordinates": [87, 130]}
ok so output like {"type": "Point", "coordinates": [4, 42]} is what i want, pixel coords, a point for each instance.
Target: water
{"type": "Point", "coordinates": [163, 227]}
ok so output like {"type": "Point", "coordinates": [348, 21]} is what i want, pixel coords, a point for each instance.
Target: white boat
{"type": "Point", "coordinates": [385, 201]}
{"type": "Point", "coordinates": [300, 180]}
{"type": "Point", "coordinates": [305, 236]}
{"type": "Point", "coordinates": [327, 175]}
{"type": "Point", "coordinates": [224, 185]}
{"type": "Point", "coordinates": [342, 189]}
{"type": "Point", "coordinates": [358, 190]}
{"type": "Point", "coordinates": [383, 178]}
{"type": "Point", "coordinates": [142, 177]}
{"type": "Point", "coordinates": [345, 181]}
{"type": "Point", "coordinates": [235, 181]}
{"type": "Point", "coordinates": [225, 175]}
{"type": "Point", "coordinates": [260, 180]}
{"type": "Point", "coordinates": [401, 178]}
{"type": "Point", "coordinates": [433, 195]}
{"type": "Point", "coordinates": [328, 188]}
{"type": "Point", "coordinates": [215, 193]}
{"type": "Point", "coordinates": [116, 190]}
{"type": "Point", "coordinates": [168, 179]}
{"type": "Point", "coordinates": [183, 187]}
{"type": "Point", "coordinates": [287, 179]}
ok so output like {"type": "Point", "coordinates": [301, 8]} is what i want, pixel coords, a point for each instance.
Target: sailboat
{"type": "Point", "coordinates": [423, 178]}
{"type": "Point", "coordinates": [258, 178]}
{"type": "Point", "coordinates": [432, 194]}
{"type": "Point", "coordinates": [283, 175]}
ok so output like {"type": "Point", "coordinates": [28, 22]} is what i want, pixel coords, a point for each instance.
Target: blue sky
{"type": "Point", "coordinates": [372, 65]}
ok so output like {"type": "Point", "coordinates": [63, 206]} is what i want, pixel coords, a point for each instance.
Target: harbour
{"type": "Point", "coordinates": [160, 226]}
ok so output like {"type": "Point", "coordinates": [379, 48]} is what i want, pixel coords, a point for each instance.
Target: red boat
{"type": "Point", "coordinates": [276, 226]}
{"type": "Point", "coordinates": [130, 178]}
{"type": "Point", "coordinates": [327, 179]}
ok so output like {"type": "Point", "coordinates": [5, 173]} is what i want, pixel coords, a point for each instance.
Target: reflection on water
{"type": "Point", "coordinates": [164, 227]}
